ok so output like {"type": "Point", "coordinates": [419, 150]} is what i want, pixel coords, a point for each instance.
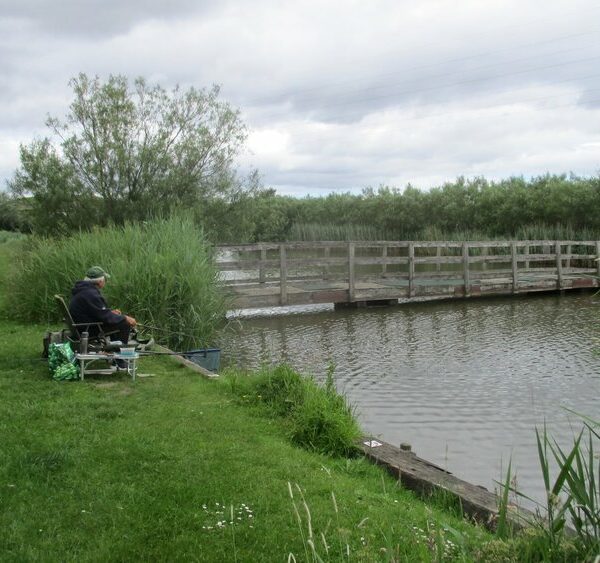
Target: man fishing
{"type": "Point", "coordinates": [89, 306]}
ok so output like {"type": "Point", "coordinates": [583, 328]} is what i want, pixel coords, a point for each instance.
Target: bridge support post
{"type": "Point", "coordinates": [515, 266]}
{"type": "Point", "coordinates": [261, 268]}
{"type": "Point", "coordinates": [598, 258]}
{"type": "Point", "coordinates": [282, 275]}
{"type": "Point", "coordinates": [465, 257]}
{"type": "Point", "coordinates": [411, 269]}
{"type": "Point", "coordinates": [559, 269]}
{"type": "Point", "coordinates": [351, 251]}
{"type": "Point", "coordinates": [326, 254]}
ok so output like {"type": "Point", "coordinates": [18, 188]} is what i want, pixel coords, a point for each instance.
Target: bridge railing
{"type": "Point", "coordinates": [356, 262]}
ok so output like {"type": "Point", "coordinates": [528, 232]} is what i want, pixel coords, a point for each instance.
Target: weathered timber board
{"type": "Point", "coordinates": [311, 292]}
{"type": "Point", "coordinates": [424, 477]}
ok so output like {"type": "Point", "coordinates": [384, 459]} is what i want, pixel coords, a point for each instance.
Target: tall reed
{"type": "Point", "coordinates": [359, 231]}
{"type": "Point", "coordinates": [572, 498]}
{"type": "Point", "coordinates": [162, 273]}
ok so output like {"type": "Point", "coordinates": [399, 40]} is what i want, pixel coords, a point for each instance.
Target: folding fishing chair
{"type": "Point", "coordinates": [98, 338]}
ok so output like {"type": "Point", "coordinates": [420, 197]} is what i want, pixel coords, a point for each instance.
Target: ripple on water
{"type": "Point", "coordinates": [465, 382]}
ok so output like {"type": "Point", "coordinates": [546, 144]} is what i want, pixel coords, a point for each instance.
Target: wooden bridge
{"type": "Point", "coordinates": [272, 274]}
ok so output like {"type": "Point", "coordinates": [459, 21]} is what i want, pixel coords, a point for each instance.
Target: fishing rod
{"type": "Point", "coordinates": [196, 352]}
{"type": "Point", "coordinates": [150, 327]}
{"type": "Point", "coordinates": [188, 353]}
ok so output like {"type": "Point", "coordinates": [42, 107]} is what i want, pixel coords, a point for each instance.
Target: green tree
{"type": "Point", "coordinates": [131, 151]}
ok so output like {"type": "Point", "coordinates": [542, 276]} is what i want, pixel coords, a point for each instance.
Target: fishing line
{"type": "Point", "coordinates": [166, 330]}
{"type": "Point", "coordinates": [202, 351]}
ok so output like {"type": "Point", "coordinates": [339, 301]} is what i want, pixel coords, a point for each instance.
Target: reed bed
{"type": "Point", "coordinates": [310, 232]}
{"type": "Point", "coordinates": [162, 273]}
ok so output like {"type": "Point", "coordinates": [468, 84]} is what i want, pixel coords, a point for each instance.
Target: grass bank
{"type": "Point", "coordinates": [174, 468]}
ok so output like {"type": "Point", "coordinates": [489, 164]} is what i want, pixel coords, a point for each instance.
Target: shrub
{"type": "Point", "coordinates": [162, 272]}
{"type": "Point", "coordinates": [318, 418]}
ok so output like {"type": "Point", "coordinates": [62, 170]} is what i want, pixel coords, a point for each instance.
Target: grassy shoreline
{"type": "Point", "coordinates": [109, 470]}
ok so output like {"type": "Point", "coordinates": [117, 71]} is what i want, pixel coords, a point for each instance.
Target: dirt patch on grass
{"type": "Point", "coordinates": [106, 385]}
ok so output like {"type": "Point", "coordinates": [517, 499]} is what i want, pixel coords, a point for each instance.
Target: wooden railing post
{"type": "Point", "coordinates": [351, 272]}
{"type": "Point", "coordinates": [526, 251]}
{"type": "Point", "coordinates": [515, 265]}
{"type": "Point", "coordinates": [569, 249]}
{"type": "Point", "coordinates": [411, 269]}
{"type": "Point", "coordinates": [438, 255]}
{"type": "Point", "coordinates": [384, 256]}
{"type": "Point", "coordinates": [282, 275]}
{"type": "Point", "coordinates": [326, 254]}
{"type": "Point", "coordinates": [465, 258]}
{"type": "Point", "coordinates": [559, 269]}
{"type": "Point", "coordinates": [261, 268]}
{"type": "Point", "coordinates": [598, 260]}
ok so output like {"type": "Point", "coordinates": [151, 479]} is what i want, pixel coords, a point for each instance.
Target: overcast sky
{"type": "Point", "coordinates": [338, 95]}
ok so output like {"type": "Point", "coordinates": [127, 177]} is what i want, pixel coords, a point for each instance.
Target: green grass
{"type": "Point", "coordinates": [156, 470]}
{"type": "Point", "coordinates": [9, 236]}
{"type": "Point", "coordinates": [316, 418]}
{"type": "Point", "coordinates": [110, 470]}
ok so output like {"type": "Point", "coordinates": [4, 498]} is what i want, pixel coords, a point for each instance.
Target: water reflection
{"type": "Point", "coordinates": [465, 382]}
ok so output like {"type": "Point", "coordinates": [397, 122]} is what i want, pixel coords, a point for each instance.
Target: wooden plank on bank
{"type": "Point", "coordinates": [185, 362]}
{"type": "Point", "coordinates": [425, 477]}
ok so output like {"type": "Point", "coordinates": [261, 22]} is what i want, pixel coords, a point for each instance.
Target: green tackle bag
{"type": "Point", "coordinates": [61, 362]}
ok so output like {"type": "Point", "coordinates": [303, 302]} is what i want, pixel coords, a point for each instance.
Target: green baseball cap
{"type": "Point", "coordinates": [96, 272]}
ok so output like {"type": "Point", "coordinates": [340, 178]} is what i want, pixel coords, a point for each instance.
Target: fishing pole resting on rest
{"type": "Point", "coordinates": [150, 327]}
{"type": "Point", "coordinates": [171, 353]}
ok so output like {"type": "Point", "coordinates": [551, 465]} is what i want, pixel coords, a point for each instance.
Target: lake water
{"type": "Point", "coordinates": [465, 382]}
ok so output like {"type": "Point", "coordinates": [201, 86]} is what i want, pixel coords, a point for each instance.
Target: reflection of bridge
{"type": "Point", "coordinates": [270, 274]}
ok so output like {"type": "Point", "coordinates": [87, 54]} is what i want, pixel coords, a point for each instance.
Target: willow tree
{"type": "Point", "coordinates": [124, 151]}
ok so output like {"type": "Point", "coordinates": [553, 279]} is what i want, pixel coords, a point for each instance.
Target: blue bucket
{"type": "Point", "coordinates": [208, 358]}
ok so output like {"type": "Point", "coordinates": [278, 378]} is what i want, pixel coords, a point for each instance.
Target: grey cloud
{"type": "Point", "coordinates": [86, 18]}
{"type": "Point", "coordinates": [360, 93]}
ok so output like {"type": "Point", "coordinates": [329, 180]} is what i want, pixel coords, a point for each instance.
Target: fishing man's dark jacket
{"type": "Point", "coordinates": [89, 306]}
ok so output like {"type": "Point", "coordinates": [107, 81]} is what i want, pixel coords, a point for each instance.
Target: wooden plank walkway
{"type": "Point", "coordinates": [269, 274]}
